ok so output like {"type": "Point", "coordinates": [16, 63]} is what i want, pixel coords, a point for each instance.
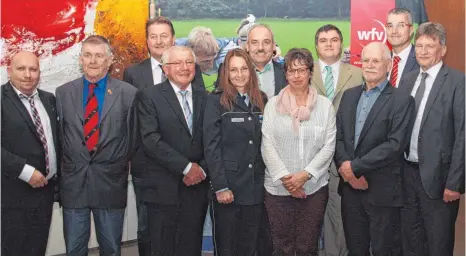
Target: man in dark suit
{"type": "Point", "coordinates": [160, 35]}
{"type": "Point", "coordinates": [434, 167]}
{"type": "Point", "coordinates": [372, 126]}
{"type": "Point", "coordinates": [175, 186]}
{"type": "Point", "coordinates": [399, 33]}
{"type": "Point", "coordinates": [99, 128]}
{"type": "Point", "coordinates": [29, 158]}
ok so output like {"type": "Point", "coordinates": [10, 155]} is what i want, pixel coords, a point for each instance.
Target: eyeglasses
{"type": "Point", "coordinates": [301, 71]}
{"type": "Point", "coordinates": [180, 63]}
{"type": "Point", "coordinates": [397, 26]}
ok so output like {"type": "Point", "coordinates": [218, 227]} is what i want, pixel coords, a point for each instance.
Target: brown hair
{"type": "Point", "coordinates": [302, 55]}
{"type": "Point", "coordinates": [229, 91]}
{"type": "Point", "coordinates": [159, 20]}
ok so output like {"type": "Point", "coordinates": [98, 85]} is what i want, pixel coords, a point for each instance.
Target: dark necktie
{"type": "Point", "coordinates": [244, 99]}
{"type": "Point", "coordinates": [91, 120]}
{"type": "Point", "coordinates": [420, 91]}
{"type": "Point", "coordinates": [39, 128]}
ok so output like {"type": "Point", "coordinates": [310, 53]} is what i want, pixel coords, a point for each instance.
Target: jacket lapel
{"type": "Point", "coordinates": [441, 77]}
{"type": "Point", "coordinates": [198, 99]}
{"type": "Point", "coordinates": [410, 62]}
{"type": "Point", "coordinates": [11, 94]}
{"type": "Point", "coordinates": [317, 79]}
{"type": "Point", "coordinates": [376, 108]}
{"type": "Point", "coordinates": [147, 73]}
{"type": "Point", "coordinates": [353, 108]}
{"type": "Point", "coordinates": [111, 94]}
{"type": "Point", "coordinates": [343, 77]}
{"type": "Point", "coordinates": [172, 100]}
{"type": "Point", "coordinates": [51, 111]}
{"type": "Point", "coordinates": [280, 80]}
{"type": "Point", "coordinates": [77, 98]}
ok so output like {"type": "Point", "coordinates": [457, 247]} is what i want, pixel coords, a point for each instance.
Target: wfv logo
{"type": "Point", "coordinates": [373, 34]}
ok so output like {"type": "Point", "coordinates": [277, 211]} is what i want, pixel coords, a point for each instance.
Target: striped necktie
{"type": "Point", "coordinates": [91, 120]}
{"type": "Point", "coordinates": [394, 73]}
{"type": "Point", "coordinates": [186, 110]}
{"type": "Point", "coordinates": [329, 88]}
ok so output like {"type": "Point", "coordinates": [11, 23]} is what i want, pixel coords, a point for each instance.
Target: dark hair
{"type": "Point", "coordinates": [302, 55]}
{"type": "Point", "coordinates": [327, 28]}
{"type": "Point", "coordinates": [159, 20]}
{"type": "Point", "coordinates": [229, 91]}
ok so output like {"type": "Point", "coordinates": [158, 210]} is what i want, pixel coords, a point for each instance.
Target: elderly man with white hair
{"type": "Point", "coordinates": [372, 132]}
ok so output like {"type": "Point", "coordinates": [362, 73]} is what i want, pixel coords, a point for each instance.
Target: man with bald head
{"type": "Point", "coordinates": [29, 160]}
{"type": "Point", "coordinates": [372, 131]}
{"type": "Point", "coordinates": [175, 185]}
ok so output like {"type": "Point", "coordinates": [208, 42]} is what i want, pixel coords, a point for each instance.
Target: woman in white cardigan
{"type": "Point", "coordinates": [298, 143]}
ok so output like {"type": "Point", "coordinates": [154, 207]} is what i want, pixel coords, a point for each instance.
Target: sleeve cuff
{"type": "Point", "coordinates": [314, 176]}
{"type": "Point", "coordinates": [276, 178]}
{"type": "Point", "coordinates": [27, 172]}
{"type": "Point", "coordinates": [188, 167]}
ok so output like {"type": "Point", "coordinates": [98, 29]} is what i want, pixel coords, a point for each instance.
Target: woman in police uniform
{"type": "Point", "coordinates": [232, 140]}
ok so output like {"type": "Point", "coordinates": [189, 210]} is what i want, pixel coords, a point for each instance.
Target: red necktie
{"type": "Point", "coordinates": [91, 120]}
{"type": "Point", "coordinates": [394, 74]}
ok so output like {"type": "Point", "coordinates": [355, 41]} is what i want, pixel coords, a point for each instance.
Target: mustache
{"type": "Point", "coordinates": [260, 52]}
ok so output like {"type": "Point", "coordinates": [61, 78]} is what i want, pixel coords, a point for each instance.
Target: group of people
{"type": "Point", "coordinates": [373, 156]}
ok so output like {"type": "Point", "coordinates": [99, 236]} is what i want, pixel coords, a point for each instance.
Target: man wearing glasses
{"type": "Point", "coordinates": [399, 33]}
{"type": "Point", "coordinates": [175, 189]}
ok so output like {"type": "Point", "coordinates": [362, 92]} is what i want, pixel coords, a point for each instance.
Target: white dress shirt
{"type": "Point", "coordinates": [404, 54]}
{"type": "Point", "coordinates": [433, 71]}
{"type": "Point", "coordinates": [335, 72]}
{"type": "Point", "coordinates": [286, 153]}
{"type": "Point", "coordinates": [28, 170]}
{"type": "Point", "coordinates": [156, 71]}
{"type": "Point", "coordinates": [189, 97]}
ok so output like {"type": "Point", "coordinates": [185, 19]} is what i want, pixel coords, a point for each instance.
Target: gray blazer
{"type": "Point", "coordinates": [99, 180]}
{"type": "Point", "coordinates": [441, 136]}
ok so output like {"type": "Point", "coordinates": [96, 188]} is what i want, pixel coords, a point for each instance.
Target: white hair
{"type": "Point", "coordinates": [168, 52]}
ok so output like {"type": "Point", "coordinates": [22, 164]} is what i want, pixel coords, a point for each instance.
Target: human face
{"type": "Point", "coordinates": [298, 75]}
{"type": "Point", "coordinates": [429, 51]}
{"type": "Point", "coordinates": [374, 66]}
{"type": "Point", "coordinates": [399, 30]}
{"type": "Point", "coordinates": [95, 60]}
{"type": "Point", "coordinates": [205, 62]}
{"type": "Point", "coordinates": [260, 46]}
{"type": "Point", "coordinates": [239, 73]}
{"type": "Point", "coordinates": [159, 39]}
{"type": "Point", "coordinates": [180, 68]}
{"type": "Point", "coordinates": [329, 46]}
{"type": "Point", "coordinates": [24, 72]}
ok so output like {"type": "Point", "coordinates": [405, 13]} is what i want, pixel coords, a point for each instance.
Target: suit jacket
{"type": "Point", "coordinates": [167, 143]}
{"type": "Point", "coordinates": [411, 64]}
{"type": "Point", "coordinates": [21, 145]}
{"type": "Point", "coordinates": [140, 75]}
{"type": "Point", "coordinates": [349, 77]}
{"type": "Point", "coordinates": [99, 180]}
{"type": "Point", "coordinates": [232, 140]}
{"type": "Point", "coordinates": [378, 155]}
{"type": "Point", "coordinates": [441, 136]}
{"type": "Point", "coordinates": [279, 73]}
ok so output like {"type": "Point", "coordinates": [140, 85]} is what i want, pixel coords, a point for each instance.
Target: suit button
{"type": "Point", "coordinates": [250, 165]}
{"type": "Point", "coordinates": [250, 142]}
{"type": "Point", "coordinates": [249, 118]}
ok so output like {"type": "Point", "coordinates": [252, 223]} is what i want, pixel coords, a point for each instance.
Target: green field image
{"type": "Point", "coordinates": [288, 33]}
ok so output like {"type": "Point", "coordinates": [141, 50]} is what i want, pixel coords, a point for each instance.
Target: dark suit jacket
{"type": "Point", "coordinates": [99, 180]}
{"type": "Point", "coordinates": [167, 142]}
{"type": "Point", "coordinates": [279, 72]}
{"type": "Point", "coordinates": [21, 145]}
{"type": "Point", "coordinates": [378, 155]}
{"type": "Point", "coordinates": [411, 64]}
{"type": "Point", "coordinates": [232, 142]}
{"type": "Point", "coordinates": [441, 137]}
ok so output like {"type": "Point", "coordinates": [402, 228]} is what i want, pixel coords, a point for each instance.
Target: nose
{"type": "Point", "coordinates": [93, 59]}
{"type": "Point", "coordinates": [157, 40]}
{"type": "Point", "coordinates": [27, 73]}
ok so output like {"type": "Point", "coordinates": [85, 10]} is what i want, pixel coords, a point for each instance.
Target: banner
{"type": "Point", "coordinates": [368, 19]}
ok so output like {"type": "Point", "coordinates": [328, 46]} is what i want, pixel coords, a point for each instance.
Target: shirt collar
{"type": "Point", "coordinates": [267, 68]}
{"type": "Point", "coordinates": [404, 53]}
{"type": "Point", "coordinates": [334, 66]}
{"type": "Point", "coordinates": [19, 92]}
{"type": "Point", "coordinates": [434, 70]}
{"type": "Point", "coordinates": [380, 87]}
{"type": "Point", "coordinates": [100, 84]}
{"type": "Point", "coordinates": [177, 88]}
{"type": "Point", "coordinates": [154, 63]}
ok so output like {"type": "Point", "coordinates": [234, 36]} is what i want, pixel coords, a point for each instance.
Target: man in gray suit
{"type": "Point", "coordinates": [331, 78]}
{"type": "Point", "coordinates": [99, 130]}
{"type": "Point", "coordinates": [434, 167]}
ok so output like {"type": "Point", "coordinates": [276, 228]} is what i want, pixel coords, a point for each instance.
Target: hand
{"type": "Point", "coordinates": [37, 179]}
{"type": "Point", "coordinates": [346, 172]}
{"type": "Point", "coordinates": [225, 197]}
{"type": "Point", "coordinates": [359, 183]}
{"type": "Point", "coordinates": [450, 196]}
{"type": "Point", "coordinates": [194, 175]}
{"type": "Point", "coordinates": [298, 193]}
{"type": "Point", "coordinates": [295, 181]}
{"type": "Point", "coordinates": [278, 53]}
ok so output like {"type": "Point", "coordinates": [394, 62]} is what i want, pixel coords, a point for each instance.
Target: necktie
{"type": "Point", "coordinates": [162, 78]}
{"type": "Point", "coordinates": [39, 128]}
{"type": "Point", "coordinates": [91, 120]}
{"type": "Point", "coordinates": [329, 88]}
{"type": "Point", "coordinates": [186, 110]}
{"type": "Point", "coordinates": [394, 73]}
{"type": "Point", "coordinates": [420, 90]}
{"type": "Point", "coordinates": [244, 99]}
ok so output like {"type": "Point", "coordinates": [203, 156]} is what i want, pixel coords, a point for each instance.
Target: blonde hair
{"type": "Point", "coordinates": [202, 41]}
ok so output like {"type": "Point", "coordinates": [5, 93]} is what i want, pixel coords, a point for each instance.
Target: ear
{"type": "Point", "coordinates": [444, 50]}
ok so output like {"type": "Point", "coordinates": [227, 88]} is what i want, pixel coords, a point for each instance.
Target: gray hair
{"type": "Point", "coordinates": [432, 30]}
{"type": "Point", "coordinates": [386, 55]}
{"type": "Point", "coordinates": [168, 52]}
{"type": "Point", "coordinates": [97, 40]}
{"type": "Point", "coordinates": [202, 40]}
{"type": "Point", "coordinates": [398, 11]}
{"type": "Point", "coordinates": [259, 25]}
